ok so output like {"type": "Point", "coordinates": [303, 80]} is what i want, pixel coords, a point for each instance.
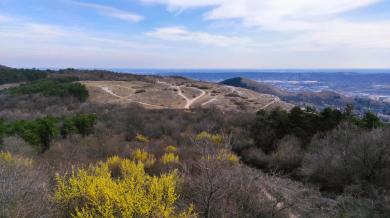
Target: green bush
{"type": "Point", "coordinates": [39, 133]}
{"type": "Point", "coordinates": [271, 126]}
{"type": "Point", "coordinates": [10, 75]}
{"type": "Point", "coordinates": [80, 124]}
{"type": "Point", "coordinates": [53, 87]}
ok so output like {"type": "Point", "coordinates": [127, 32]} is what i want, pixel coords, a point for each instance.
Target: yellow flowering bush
{"type": "Point", "coordinates": [169, 158]}
{"type": "Point", "coordinates": [223, 155]}
{"type": "Point", "coordinates": [144, 157]}
{"type": "Point", "coordinates": [142, 138]}
{"type": "Point", "coordinates": [214, 138]}
{"type": "Point", "coordinates": [93, 192]}
{"type": "Point", "coordinates": [226, 155]}
{"type": "Point", "coordinates": [8, 159]}
{"type": "Point", "coordinates": [171, 149]}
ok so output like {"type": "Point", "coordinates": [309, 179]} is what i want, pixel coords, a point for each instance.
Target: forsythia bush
{"type": "Point", "coordinates": [95, 192]}
{"type": "Point", "coordinates": [144, 157]}
{"type": "Point", "coordinates": [142, 138]}
{"type": "Point", "coordinates": [223, 155]}
{"type": "Point", "coordinates": [214, 138]}
{"type": "Point", "coordinates": [226, 155]}
{"type": "Point", "coordinates": [7, 159]}
{"type": "Point", "coordinates": [171, 149]}
{"type": "Point", "coordinates": [169, 158]}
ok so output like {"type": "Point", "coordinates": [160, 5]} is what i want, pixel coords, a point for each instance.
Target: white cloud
{"type": "Point", "coordinates": [111, 12]}
{"type": "Point", "coordinates": [348, 35]}
{"type": "Point", "coordinates": [312, 24]}
{"type": "Point", "coordinates": [181, 34]}
{"type": "Point", "coordinates": [37, 44]}
{"type": "Point", "coordinates": [267, 12]}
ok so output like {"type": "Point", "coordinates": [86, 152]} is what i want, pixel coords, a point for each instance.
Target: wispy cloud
{"type": "Point", "coordinates": [53, 45]}
{"type": "Point", "coordinates": [311, 24]}
{"type": "Point", "coordinates": [111, 12]}
{"type": "Point", "coordinates": [4, 18]}
{"type": "Point", "coordinates": [182, 34]}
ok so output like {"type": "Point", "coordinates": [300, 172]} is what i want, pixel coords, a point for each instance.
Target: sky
{"type": "Point", "coordinates": [227, 34]}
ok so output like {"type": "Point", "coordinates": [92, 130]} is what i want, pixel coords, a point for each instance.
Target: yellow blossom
{"type": "Point", "coordinates": [93, 192]}
{"type": "Point", "coordinates": [214, 138]}
{"type": "Point", "coordinates": [169, 158]}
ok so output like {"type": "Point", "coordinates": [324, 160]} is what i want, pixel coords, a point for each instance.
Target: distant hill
{"type": "Point", "coordinates": [255, 86]}
{"type": "Point", "coordinates": [2, 67]}
{"type": "Point", "coordinates": [319, 100]}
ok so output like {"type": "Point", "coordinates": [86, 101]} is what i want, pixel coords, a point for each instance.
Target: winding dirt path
{"type": "Point", "coordinates": [109, 91]}
{"type": "Point", "coordinates": [189, 102]}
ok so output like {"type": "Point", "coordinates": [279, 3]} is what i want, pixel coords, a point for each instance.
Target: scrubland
{"type": "Point", "coordinates": [65, 156]}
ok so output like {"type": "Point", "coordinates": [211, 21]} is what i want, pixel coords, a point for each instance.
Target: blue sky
{"type": "Point", "coordinates": [195, 33]}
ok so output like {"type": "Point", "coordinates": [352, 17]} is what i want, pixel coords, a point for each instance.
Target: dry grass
{"type": "Point", "coordinates": [161, 95]}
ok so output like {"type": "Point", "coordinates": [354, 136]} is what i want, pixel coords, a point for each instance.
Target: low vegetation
{"type": "Point", "coordinates": [10, 75]}
{"type": "Point", "coordinates": [103, 160]}
{"type": "Point", "coordinates": [42, 131]}
{"type": "Point", "coordinates": [52, 87]}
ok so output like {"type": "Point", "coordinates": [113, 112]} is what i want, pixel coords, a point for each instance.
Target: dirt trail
{"type": "Point", "coordinates": [109, 91]}
{"type": "Point", "coordinates": [189, 102]}
{"type": "Point", "coordinates": [274, 101]}
{"type": "Point", "coordinates": [209, 101]}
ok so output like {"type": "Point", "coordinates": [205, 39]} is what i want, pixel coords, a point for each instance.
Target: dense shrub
{"type": "Point", "coordinates": [350, 158]}
{"type": "Point", "coordinates": [79, 124]}
{"type": "Point", "coordinates": [271, 126]}
{"type": "Point", "coordinates": [94, 192]}
{"type": "Point", "coordinates": [282, 137]}
{"type": "Point", "coordinates": [288, 155]}
{"type": "Point", "coordinates": [9, 75]}
{"type": "Point", "coordinates": [40, 132]}
{"type": "Point", "coordinates": [65, 87]}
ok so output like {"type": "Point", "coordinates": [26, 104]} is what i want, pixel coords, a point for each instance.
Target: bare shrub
{"type": "Point", "coordinates": [288, 155]}
{"type": "Point", "coordinates": [16, 145]}
{"type": "Point", "coordinates": [350, 157]}
{"type": "Point", "coordinates": [24, 189]}
{"type": "Point", "coordinates": [256, 157]}
{"type": "Point", "coordinates": [218, 190]}
{"type": "Point", "coordinates": [354, 207]}
{"type": "Point", "coordinates": [36, 106]}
